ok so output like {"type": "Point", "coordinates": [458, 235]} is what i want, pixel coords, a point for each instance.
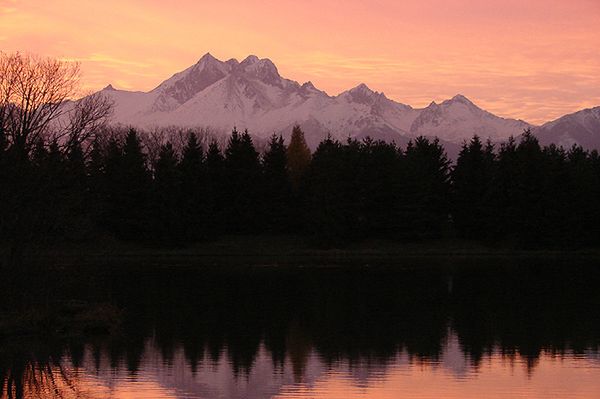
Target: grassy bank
{"type": "Point", "coordinates": [59, 320]}
{"type": "Point", "coordinates": [286, 250]}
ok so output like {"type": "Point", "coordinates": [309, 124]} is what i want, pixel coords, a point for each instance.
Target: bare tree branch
{"type": "Point", "coordinates": [35, 102]}
{"type": "Point", "coordinates": [84, 120]}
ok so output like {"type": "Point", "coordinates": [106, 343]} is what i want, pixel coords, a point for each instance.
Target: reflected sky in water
{"type": "Point", "coordinates": [466, 331]}
{"type": "Point", "coordinates": [451, 376]}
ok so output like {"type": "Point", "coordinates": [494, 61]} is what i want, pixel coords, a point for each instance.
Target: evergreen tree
{"type": "Point", "coordinates": [242, 184]}
{"type": "Point", "coordinates": [518, 191]}
{"type": "Point", "coordinates": [528, 217]}
{"type": "Point", "coordinates": [76, 194]}
{"type": "Point", "coordinates": [51, 197]}
{"type": "Point", "coordinates": [113, 186]}
{"type": "Point", "coordinates": [39, 154]}
{"type": "Point", "coordinates": [166, 200]}
{"type": "Point", "coordinates": [426, 189]}
{"type": "Point", "coordinates": [193, 201]}
{"type": "Point", "coordinates": [593, 219]}
{"type": "Point", "coordinates": [298, 157]}
{"type": "Point", "coordinates": [472, 178]}
{"type": "Point", "coordinates": [579, 214]}
{"type": "Point", "coordinates": [328, 218]}
{"type": "Point", "coordinates": [75, 167]}
{"type": "Point", "coordinates": [378, 188]}
{"type": "Point", "coordinates": [556, 195]}
{"type": "Point", "coordinates": [503, 189]}
{"type": "Point", "coordinates": [95, 166]}
{"type": "Point", "coordinates": [128, 188]}
{"type": "Point", "coordinates": [215, 189]}
{"type": "Point", "coordinates": [277, 188]}
{"type": "Point", "coordinates": [95, 187]}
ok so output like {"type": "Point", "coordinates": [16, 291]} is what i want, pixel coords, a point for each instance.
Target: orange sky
{"type": "Point", "coordinates": [530, 59]}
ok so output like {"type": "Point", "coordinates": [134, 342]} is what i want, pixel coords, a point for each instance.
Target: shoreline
{"type": "Point", "coordinates": [286, 249]}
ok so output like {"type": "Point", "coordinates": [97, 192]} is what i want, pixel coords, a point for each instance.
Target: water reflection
{"type": "Point", "coordinates": [451, 375]}
{"type": "Point", "coordinates": [528, 330]}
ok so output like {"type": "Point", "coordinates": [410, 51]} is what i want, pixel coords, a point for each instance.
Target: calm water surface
{"type": "Point", "coordinates": [474, 330]}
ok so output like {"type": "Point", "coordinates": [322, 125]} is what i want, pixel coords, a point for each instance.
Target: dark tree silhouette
{"type": "Point", "coordinates": [194, 194]}
{"type": "Point", "coordinates": [518, 190]}
{"type": "Point", "coordinates": [578, 210]}
{"type": "Point", "coordinates": [242, 184]}
{"type": "Point", "coordinates": [523, 195]}
{"type": "Point", "coordinates": [215, 189]}
{"type": "Point", "coordinates": [277, 192]}
{"type": "Point", "coordinates": [166, 209]}
{"type": "Point", "coordinates": [298, 157]}
{"type": "Point", "coordinates": [379, 189]}
{"type": "Point", "coordinates": [324, 193]}
{"type": "Point", "coordinates": [472, 179]}
{"type": "Point", "coordinates": [127, 182]}
{"type": "Point", "coordinates": [425, 199]}
{"type": "Point", "coordinates": [95, 187]}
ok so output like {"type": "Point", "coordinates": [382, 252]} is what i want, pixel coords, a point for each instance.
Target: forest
{"type": "Point", "coordinates": [517, 194]}
{"type": "Point", "coordinates": [67, 175]}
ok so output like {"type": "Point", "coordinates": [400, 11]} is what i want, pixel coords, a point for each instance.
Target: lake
{"type": "Point", "coordinates": [428, 328]}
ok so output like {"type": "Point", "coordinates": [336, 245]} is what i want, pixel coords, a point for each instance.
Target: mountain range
{"type": "Point", "coordinates": [252, 95]}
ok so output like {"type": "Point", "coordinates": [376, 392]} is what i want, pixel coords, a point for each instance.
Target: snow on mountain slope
{"type": "Point", "coordinates": [458, 118]}
{"type": "Point", "coordinates": [251, 94]}
{"type": "Point", "coordinates": [582, 128]}
{"type": "Point", "coordinates": [129, 106]}
{"type": "Point", "coordinates": [378, 109]}
{"type": "Point", "coordinates": [182, 86]}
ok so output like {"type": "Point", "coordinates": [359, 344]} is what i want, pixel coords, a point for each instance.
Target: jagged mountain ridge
{"type": "Point", "coordinates": [252, 94]}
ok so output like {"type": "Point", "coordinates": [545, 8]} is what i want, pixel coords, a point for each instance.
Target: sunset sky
{"type": "Point", "coordinates": [535, 59]}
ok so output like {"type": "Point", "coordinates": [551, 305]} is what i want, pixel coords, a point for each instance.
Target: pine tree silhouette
{"type": "Point", "coordinates": [426, 191]}
{"type": "Point", "coordinates": [215, 190]}
{"type": "Point", "coordinates": [277, 186]}
{"type": "Point", "coordinates": [242, 184]}
{"type": "Point", "coordinates": [472, 178]}
{"type": "Point", "coordinates": [194, 193]}
{"type": "Point", "coordinates": [166, 210]}
{"type": "Point", "coordinates": [128, 188]}
{"type": "Point", "coordinates": [298, 157]}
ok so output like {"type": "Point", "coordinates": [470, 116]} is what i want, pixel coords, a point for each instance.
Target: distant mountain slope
{"type": "Point", "coordinates": [251, 94]}
{"type": "Point", "coordinates": [582, 127]}
{"type": "Point", "coordinates": [458, 118]}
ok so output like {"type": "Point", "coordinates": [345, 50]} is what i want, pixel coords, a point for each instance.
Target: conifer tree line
{"type": "Point", "coordinates": [517, 192]}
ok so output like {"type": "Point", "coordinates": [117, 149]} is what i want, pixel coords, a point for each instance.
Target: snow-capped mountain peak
{"type": "Point", "coordinates": [251, 59]}
{"type": "Point", "coordinates": [232, 62]}
{"type": "Point", "coordinates": [452, 118]}
{"type": "Point", "coordinates": [182, 86]}
{"type": "Point", "coordinates": [459, 98]}
{"type": "Point", "coordinates": [207, 58]}
{"type": "Point", "coordinates": [362, 88]}
{"type": "Point", "coordinates": [261, 69]}
{"type": "Point", "coordinates": [252, 94]}
{"type": "Point", "coordinates": [362, 94]}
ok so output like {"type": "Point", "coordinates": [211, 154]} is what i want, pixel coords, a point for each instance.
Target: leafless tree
{"type": "Point", "coordinates": [36, 107]}
{"type": "Point", "coordinates": [35, 102]}
{"type": "Point", "coordinates": [84, 119]}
